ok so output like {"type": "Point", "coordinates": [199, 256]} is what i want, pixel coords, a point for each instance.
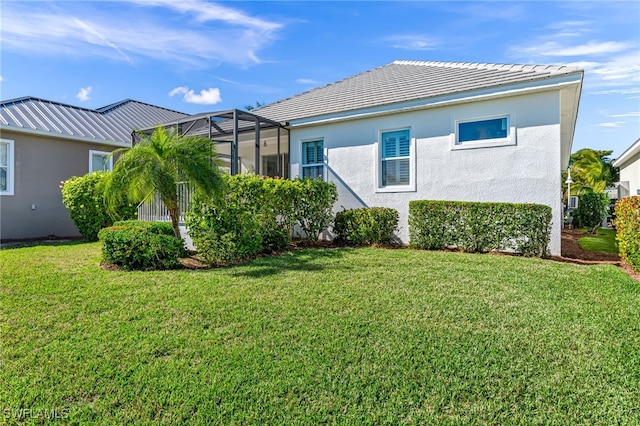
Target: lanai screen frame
{"type": "Point", "coordinates": [225, 127]}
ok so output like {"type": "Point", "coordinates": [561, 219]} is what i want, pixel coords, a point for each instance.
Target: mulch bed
{"type": "Point", "coordinates": [571, 250]}
{"type": "Point", "coordinates": [573, 253]}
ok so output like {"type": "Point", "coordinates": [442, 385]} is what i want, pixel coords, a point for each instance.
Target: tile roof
{"type": "Point", "coordinates": [405, 81]}
{"type": "Point", "coordinates": [110, 124]}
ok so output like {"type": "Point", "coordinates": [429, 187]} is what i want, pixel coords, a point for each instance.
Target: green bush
{"type": "Point", "coordinates": [628, 230]}
{"type": "Point", "coordinates": [83, 197]}
{"type": "Point", "coordinates": [367, 225]}
{"type": "Point", "coordinates": [480, 227]}
{"type": "Point", "coordinates": [134, 245]}
{"type": "Point", "coordinates": [313, 210]}
{"type": "Point", "coordinates": [223, 234]}
{"type": "Point", "coordinates": [257, 215]}
{"type": "Point", "coordinates": [591, 211]}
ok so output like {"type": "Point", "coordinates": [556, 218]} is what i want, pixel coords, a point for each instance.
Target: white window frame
{"type": "Point", "coordinates": [411, 187]}
{"type": "Point", "coordinates": [324, 156]}
{"type": "Point", "coordinates": [11, 165]}
{"type": "Point", "coordinates": [510, 140]}
{"type": "Point", "coordinates": [93, 152]}
{"type": "Point", "coordinates": [573, 202]}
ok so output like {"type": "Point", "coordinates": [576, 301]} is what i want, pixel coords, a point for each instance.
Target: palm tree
{"type": "Point", "coordinates": [591, 170]}
{"type": "Point", "coordinates": [157, 163]}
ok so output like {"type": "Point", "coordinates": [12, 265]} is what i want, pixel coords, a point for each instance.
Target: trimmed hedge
{"type": "Point", "coordinates": [83, 196]}
{"type": "Point", "coordinates": [257, 215]}
{"type": "Point", "coordinates": [480, 227]}
{"type": "Point", "coordinates": [627, 224]}
{"type": "Point", "coordinates": [135, 245]}
{"type": "Point", "coordinates": [367, 225]}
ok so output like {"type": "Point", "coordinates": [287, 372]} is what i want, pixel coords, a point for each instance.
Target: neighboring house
{"type": "Point", "coordinates": [415, 130]}
{"type": "Point", "coordinates": [629, 164]}
{"type": "Point", "coordinates": [43, 143]}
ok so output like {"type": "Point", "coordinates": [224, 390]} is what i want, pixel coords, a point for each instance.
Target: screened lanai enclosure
{"type": "Point", "coordinates": [245, 142]}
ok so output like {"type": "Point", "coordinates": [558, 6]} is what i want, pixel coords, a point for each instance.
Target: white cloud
{"type": "Point", "coordinates": [209, 96]}
{"type": "Point", "coordinates": [205, 11]}
{"type": "Point", "coordinates": [628, 114]}
{"type": "Point", "coordinates": [632, 91]}
{"type": "Point", "coordinates": [411, 42]}
{"type": "Point", "coordinates": [83, 94]}
{"type": "Point", "coordinates": [1, 79]}
{"type": "Point", "coordinates": [211, 34]}
{"type": "Point", "coordinates": [611, 124]}
{"type": "Point", "coordinates": [307, 81]}
{"type": "Point", "coordinates": [553, 48]}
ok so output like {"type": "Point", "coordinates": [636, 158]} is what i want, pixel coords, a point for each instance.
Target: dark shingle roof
{"type": "Point", "coordinates": [405, 81]}
{"type": "Point", "coordinates": [110, 124]}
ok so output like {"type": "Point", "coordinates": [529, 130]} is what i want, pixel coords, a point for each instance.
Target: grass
{"type": "Point", "coordinates": [344, 336]}
{"type": "Point", "coordinates": [603, 242]}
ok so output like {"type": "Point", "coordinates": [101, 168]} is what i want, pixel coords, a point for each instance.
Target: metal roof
{"type": "Point", "coordinates": [111, 124]}
{"type": "Point", "coordinates": [405, 81]}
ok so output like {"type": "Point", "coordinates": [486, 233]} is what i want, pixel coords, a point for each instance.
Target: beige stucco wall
{"type": "Point", "coordinates": [40, 164]}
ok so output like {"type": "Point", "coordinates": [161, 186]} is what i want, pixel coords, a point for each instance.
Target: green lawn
{"type": "Point", "coordinates": [345, 336]}
{"type": "Point", "coordinates": [604, 241]}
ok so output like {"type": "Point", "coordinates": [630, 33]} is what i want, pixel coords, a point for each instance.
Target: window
{"type": "Point", "coordinates": [395, 159]}
{"type": "Point", "coordinates": [313, 159]}
{"type": "Point", "coordinates": [6, 167]}
{"type": "Point", "coordinates": [573, 202]}
{"type": "Point", "coordinates": [100, 160]}
{"type": "Point", "coordinates": [491, 131]}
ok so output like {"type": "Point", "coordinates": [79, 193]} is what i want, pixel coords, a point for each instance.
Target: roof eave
{"type": "Point", "coordinates": [117, 144]}
{"type": "Point", "coordinates": [627, 154]}
{"type": "Point", "coordinates": [496, 92]}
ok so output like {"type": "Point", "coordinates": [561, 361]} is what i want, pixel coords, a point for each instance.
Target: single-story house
{"type": "Point", "coordinates": [629, 163]}
{"type": "Point", "coordinates": [415, 130]}
{"type": "Point", "coordinates": [43, 143]}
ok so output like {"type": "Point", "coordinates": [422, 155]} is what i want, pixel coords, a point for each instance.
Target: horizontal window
{"type": "Point", "coordinates": [486, 132]}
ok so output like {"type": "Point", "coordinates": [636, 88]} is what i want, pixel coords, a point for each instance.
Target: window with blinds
{"type": "Point", "coordinates": [396, 154]}
{"type": "Point", "coordinates": [313, 159]}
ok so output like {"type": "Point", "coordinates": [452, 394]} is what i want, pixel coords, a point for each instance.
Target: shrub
{"type": "Point", "coordinates": [367, 225]}
{"type": "Point", "coordinates": [83, 197]}
{"type": "Point", "coordinates": [480, 227]}
{"type": "Point", "coordinates": [628, 230]}
{"type": "Point", "coordinates": [313, 209]}
{"type": "Point", "coordinates": [257, 215]}
{"type": "Point", "coordinates": [134, 245]}
{"type": "Point", "coordinates": [225, 233]}
{"type": "Point", "coordinates": [591, 210]}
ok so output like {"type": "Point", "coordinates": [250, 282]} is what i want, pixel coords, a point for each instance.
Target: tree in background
{"type": "Point", "coordinates": [157, 164]}
{"type": "Point", "coordinates": [250, 107]}
{"type": "Point", "coordinates": [591, 171]}
{"type": "Point", "coordinates": [592, 210]}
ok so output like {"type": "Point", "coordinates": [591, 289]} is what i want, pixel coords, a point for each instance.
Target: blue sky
{"type": "Point", "coordinates": [196, 55]}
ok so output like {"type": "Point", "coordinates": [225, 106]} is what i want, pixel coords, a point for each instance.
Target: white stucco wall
{"type": "Point", "coordinates": [630, 172]}
{"type": "Point", "coordinates": [527, 172]}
